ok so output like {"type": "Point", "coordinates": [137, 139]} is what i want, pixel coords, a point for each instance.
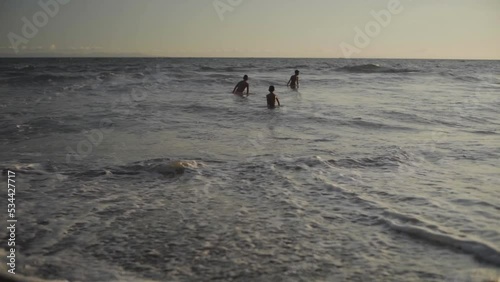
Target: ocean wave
{"type": "Point", "coordinates": [481, 250]}
{"type": "Point", "coordinates": [462, 78]}
{"type": "Point", "coordinates": [373, 68]}
{"type": "Point", "coordinates": [295, 67]}
{"type": "Point", "coordinates": [23, 79]}
{"type": "Point", "coordinates": [164, 167]}
{"type": "Point", "coordinates": [14, 74]}
{"type": "Point", "coordinates": [396, 158]}
{"type": "Point", "coordinates": [232, 70]}
{"type": "Point", "coordinates": [138, 75]}
{"type": "Point", "coordinates": [356, 122]}
{"type": "Point", "coordinates": [474, 202]}
{"type": "Point", "coordinates": [391, 159]}
{"type": "Point", "coordinates": [8, 129]}
{"type": "Point", "coordinates": [106, 75]}
{"type": "Point", "coordinates": [427, 231]}
{"type": "Point", "coordinates": [404, 116]}
{"type": "Point", "coordinates": [206, 68]}
{"type": "Point", "coordinates": [31, 127]}
{"type": "Point", "coordinates": [54, 77]}
{"type": "Point", "coordinates": [28, 168]}
{"type": "Point", "coordinates": [289, 69]}
{"type": "Point", "coordinates": [376, 125]}
{"type": "Point", "coordinates": [204, 108]}
{"type": "Point", "coordinates": [25, 68]}
{"type": "Point", "coordinates": [485, 132]}
{"type": "Point", "coordinates": [217, 75]}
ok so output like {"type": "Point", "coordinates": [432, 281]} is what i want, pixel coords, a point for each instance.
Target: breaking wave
{"type": "Point", "coordinates": [374, 68]}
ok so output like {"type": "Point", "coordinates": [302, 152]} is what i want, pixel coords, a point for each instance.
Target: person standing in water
{"type": "Point", "coordinates": [272, 99]}
{"type": "Point", "coordinates": [294, 81]}
{"type": "Point", "coordinates": [239, 89]}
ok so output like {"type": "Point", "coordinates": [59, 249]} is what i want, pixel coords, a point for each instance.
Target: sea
{"type": "Point", "coordinates": [150, 169]}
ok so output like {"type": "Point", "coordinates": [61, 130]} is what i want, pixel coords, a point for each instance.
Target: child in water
{"type": "Point", "coordinates": [272, 99]}
{"type": "Point", "coordinates": [294, 81]}
{"type": "Point", "coordinates": [241, 86]}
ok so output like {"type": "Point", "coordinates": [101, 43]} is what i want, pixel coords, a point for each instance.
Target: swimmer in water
{"type": "Point", "coordinates": [272, 99]}
{"type": "Point", "coordinates": [294, 81]}
{"type": "Point", "coordinates": [239, 89]}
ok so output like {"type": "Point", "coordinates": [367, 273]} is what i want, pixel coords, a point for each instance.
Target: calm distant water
{"type": "Point", "coordinates": [149, 169]}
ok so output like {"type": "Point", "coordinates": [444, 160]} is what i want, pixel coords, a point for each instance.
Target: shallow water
{"type": "Point", "coordinates": [375, 170]}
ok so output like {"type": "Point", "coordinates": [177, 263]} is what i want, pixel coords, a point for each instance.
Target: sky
{"type": "Point", "coordinates": [437, 29]}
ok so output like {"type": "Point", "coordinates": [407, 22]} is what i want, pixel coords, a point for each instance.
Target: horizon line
{"type": "Point", "coordinates": [202, 57]}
